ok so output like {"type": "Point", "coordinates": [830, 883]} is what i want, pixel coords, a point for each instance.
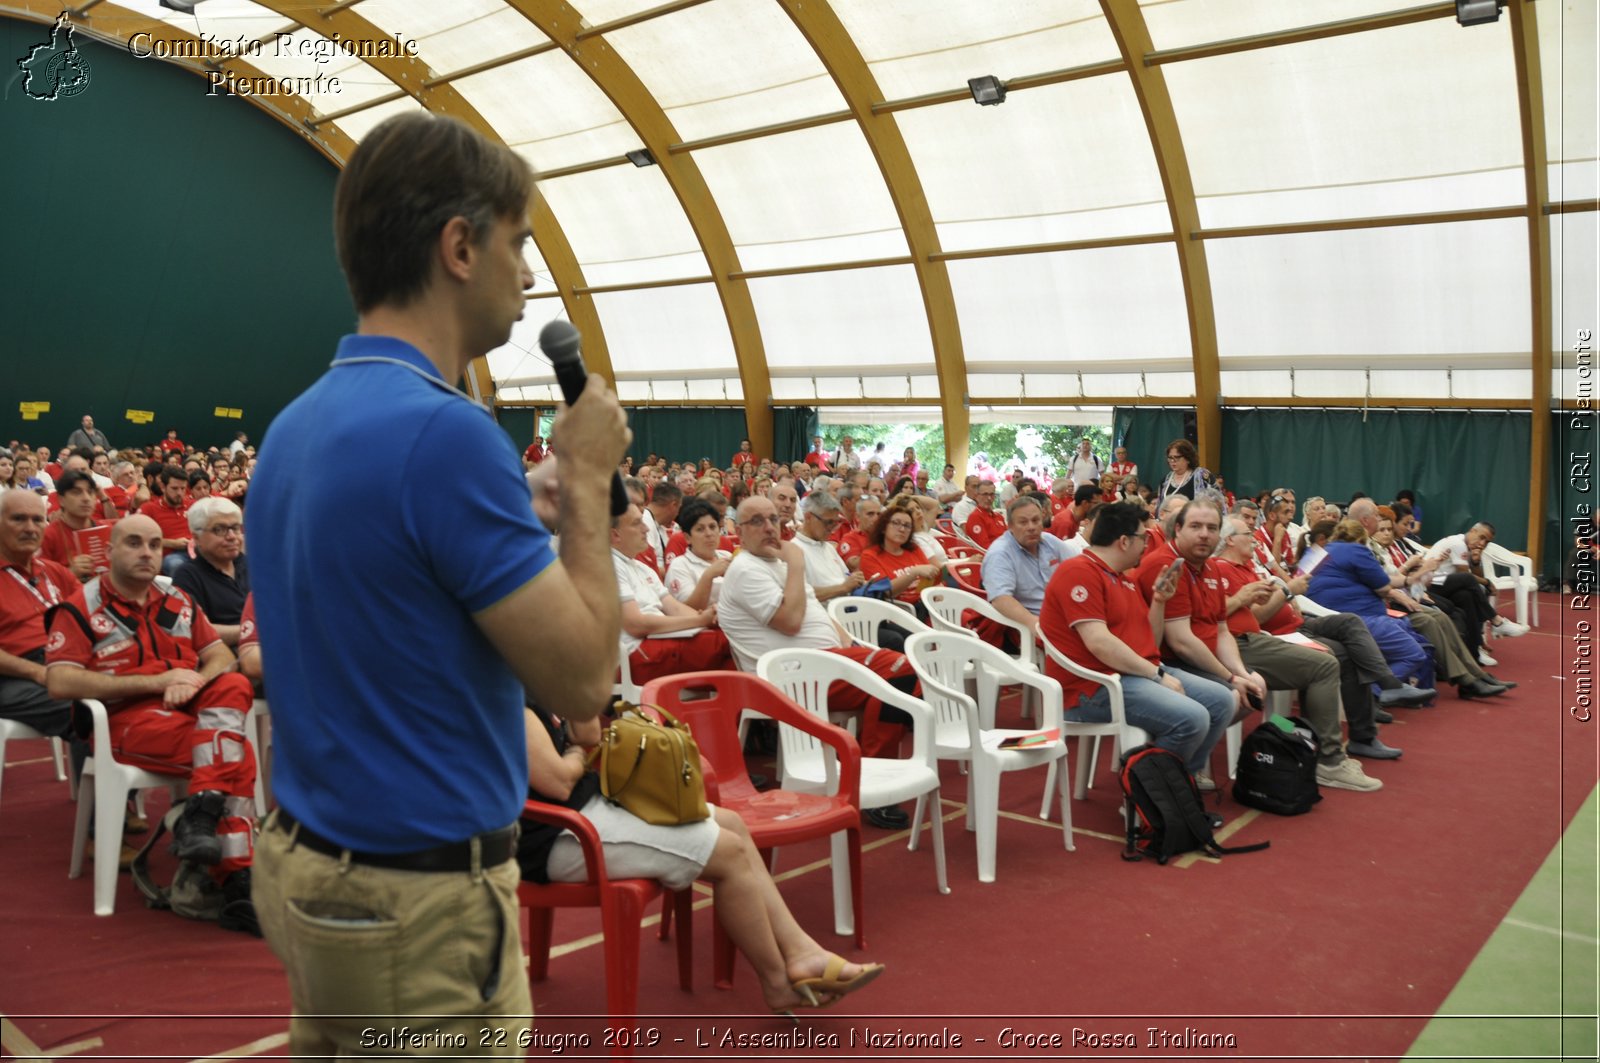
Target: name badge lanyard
{"type": "Point", "coordinates": [31, 586]}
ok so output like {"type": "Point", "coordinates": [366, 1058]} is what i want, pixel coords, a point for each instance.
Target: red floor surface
{"type": "Point", "coordinates": [1338, 941]}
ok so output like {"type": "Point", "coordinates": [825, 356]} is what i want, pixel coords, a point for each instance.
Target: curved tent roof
{"type": "Point", "coordinates": [1243, 202]}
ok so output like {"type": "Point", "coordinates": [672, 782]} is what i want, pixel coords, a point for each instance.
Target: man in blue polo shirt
{"type": "Point", "coordinates": [404, 613]}
{"type": "Point", "coordinates": [1019, 564]}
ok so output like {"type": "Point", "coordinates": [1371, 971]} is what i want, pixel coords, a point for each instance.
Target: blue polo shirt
{"type": "Point", "coordinates": [1009, 569]}
{"type": "Point", "coordinates": [385, 510]}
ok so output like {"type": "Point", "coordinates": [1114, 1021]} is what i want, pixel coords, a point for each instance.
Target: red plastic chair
{"type": "Point", "coordinates": [968, 574]}
{"type": "Point", "coordinates": [960, 551]}
{"type": "Point", "coordinates": [621, 902]}
{"type": "Point", "coordinates": [710, 703]}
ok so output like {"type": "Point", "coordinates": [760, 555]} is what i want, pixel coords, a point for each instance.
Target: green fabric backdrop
{"type": "Point", "coordinates": [166, 251]}
{"type": "Point", "coordinates": [1463, 465]}
{"type": "Point", "coordinates": [686, 434]}
{"type": "Point", "coordinates": [792, 429]}
{"type": "Point", "coordinates": [1146, 431]}
{"type": "Point", "coordinates": [1573, 442]}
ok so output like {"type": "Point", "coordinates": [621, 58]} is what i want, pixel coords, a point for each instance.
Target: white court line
{"type": "Point", "coordinates": [1570, 935]}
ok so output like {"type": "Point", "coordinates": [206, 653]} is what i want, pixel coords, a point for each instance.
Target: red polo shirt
{"type": "Point", "coordinates": [984, 526]}
{"type": "Point", "coordinates": [174, 522]}
{"type": "Point", "coordinates": [1198, 598]}
{"type": "Point", "coordinates": [1235, 576]}
{"type": "Point", "coordinates": [1084, 588]}
{"type": "Point", "coordinates": [26, 591]}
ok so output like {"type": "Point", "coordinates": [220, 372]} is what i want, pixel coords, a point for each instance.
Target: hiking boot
{"type": "Point", "coordinates": [194, 836]}
{"type": "Point", "coordinates": [1373, 750]}
{"type": "Point", "coordinates": [1346, 775]}
{"type": "Point", "coordinates": [238, 910]}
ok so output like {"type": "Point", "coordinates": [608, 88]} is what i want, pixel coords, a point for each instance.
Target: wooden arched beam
{"type": "Point", "coordinates": [413, 76]}
{"type": "Point", "coordinates": [614, 77]}
{"type": "Point", "coordinates": [820, 25]}
{"type": "Point", "coordinates": [1150, 86]}
{"type": "Point", "coordinates": [116, 25]}
{"type": "Point", "coordinates": [1535, 160]}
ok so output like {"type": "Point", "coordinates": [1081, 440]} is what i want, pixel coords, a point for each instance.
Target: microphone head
{"type": "Point", "coordinates": [560, 340]}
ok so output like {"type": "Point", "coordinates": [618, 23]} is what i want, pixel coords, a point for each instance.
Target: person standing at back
{"type": "Point", "coordinates": [405, 615]}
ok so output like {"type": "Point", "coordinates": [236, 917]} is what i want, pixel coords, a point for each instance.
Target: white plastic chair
{"type": "Point", "coordinates": [809, 766]}
{"type": "Point", "coordinates": [258, 729]}
{"type": "Point", "coordinates": [1123, 735]}
{"type": "Point", "coordinates": [942, 661]}
{"type": "Point", "coordinates": [624, 687]}
{"type": "Point", "coordinates": [945, 606]}
{"type": "Point", "coordinates": [10, 729]}
{"type": "Point", "coordinates": [1308, 607]}
{"type": "Point", "coordinates": [861, 618]}
{"type": "Point", "coordinates": [1279, 703]}
{"type": "Point", "coordinates": [103, 789]}
{"type": "Point", "coordinates": [1518, 578]}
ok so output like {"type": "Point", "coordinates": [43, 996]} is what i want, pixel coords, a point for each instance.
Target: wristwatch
{"type": "Point", "coordinates": [1161, 672]}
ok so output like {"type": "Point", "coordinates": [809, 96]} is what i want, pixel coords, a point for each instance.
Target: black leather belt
{"type": "Point", "coordinates": [494, 847]}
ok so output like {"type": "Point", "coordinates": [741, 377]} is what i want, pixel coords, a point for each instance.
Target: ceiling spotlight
{"type": "Point", "coordinates": [1477, 12]}
{"type": "Point", "coordinates": [987, 91]}
{"type": "Point", "coordinates": [642, 157]}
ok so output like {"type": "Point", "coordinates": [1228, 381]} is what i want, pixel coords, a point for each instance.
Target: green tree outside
{"type": "Point", "coordinates": [1003, 446]}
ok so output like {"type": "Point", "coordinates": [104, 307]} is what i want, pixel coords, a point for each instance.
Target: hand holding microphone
{"type": "Point", "coordinates": [593, 435]}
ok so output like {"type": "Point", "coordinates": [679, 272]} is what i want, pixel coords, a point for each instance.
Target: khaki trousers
{"type": "Point", "coordinates": [393, 963]}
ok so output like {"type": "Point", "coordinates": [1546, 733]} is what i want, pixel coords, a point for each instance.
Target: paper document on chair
{"type": "Point", "coordinates": [1310, 560]}
{"type": "Point", "coordinates": [1036, 740]}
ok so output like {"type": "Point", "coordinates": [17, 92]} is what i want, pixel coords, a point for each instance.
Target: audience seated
{"type": "Point", "coordinates": [983, 525]}
{"type": "Point", "coordinates": [217, 577]}
{"type": "Point", "coordinates": [826, 572]}
{"type": "Point", "coordinates": [29, 587]}
{"type": "Point", "coordinates": [659, 514]}
{"type": "Point", "coordinates": [694, 576]}
{"type": "Point", "coordinates": [64, 544]}
{"type": "Point", "coordinates": [1019, 564]}
{"type": "Point", "coordinates": [660, 634]}
{"type": "Point", "coordinates": [852, 544]}
{"type": "Point", "coordinates": [892, 554]}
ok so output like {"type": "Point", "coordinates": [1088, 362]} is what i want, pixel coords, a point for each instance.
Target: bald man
{"type": "Point", "coordinates": [166, 679]}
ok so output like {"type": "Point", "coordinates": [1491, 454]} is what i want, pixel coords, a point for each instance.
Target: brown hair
{"type": "Point", "coordinates": [898, 505]}
{"type": "Point", "coordinates": [1186, 450]}
{"type": "Point", "coordinates": [410, 175]}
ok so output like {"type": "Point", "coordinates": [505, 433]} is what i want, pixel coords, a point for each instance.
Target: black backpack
{"type": "Point", "coordinates": [1278, 768]}
{"type": "Point", "coordinates": [1163, 811]}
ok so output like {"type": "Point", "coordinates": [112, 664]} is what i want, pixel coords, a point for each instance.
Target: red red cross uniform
{"type": "Point", "coordinates": [204, 739]}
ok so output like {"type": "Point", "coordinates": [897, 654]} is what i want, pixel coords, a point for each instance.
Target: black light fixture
{"type": "Point", "coordinates": [641, 157]}
{"type": "Point", "coordinates": [987, 91]}
{"type": "Point", "coordinates": [1477, 12]}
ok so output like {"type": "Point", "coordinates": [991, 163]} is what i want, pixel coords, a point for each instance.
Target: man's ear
{"type": "Point", "coordinates": [457, 250]}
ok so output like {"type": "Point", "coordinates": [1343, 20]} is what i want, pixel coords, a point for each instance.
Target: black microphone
{"type": "Point", "coordinates": [560, 342]}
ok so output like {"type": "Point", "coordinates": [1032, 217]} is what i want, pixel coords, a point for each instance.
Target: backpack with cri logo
{"type": "Point", "coordinates": [1278, 767]}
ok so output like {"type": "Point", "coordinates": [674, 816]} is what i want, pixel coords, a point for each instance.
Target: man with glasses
{"type": "Point", "coordinates": [1095, 615]}
{"type": "Point", "coordinates": [983, 525]}
{"type": "Point", "coordinates": [217, 577]}
{"type": "Point", "coordinates": [826, 572]}
{"type": "Point", "coordinates": [767, 604]}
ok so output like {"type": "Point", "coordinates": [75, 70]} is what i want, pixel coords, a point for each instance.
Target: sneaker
{"type": "Point", "coordinates": [1484, 658]}
{"type": "Point", "coordinates": [1203, 780]}
{"type": "Point", "coordinates": [1346, 775]}
{"type": "Point", "coordinates": [1382, 716]}
{"type": "Point", "coordinates": [1509, 629]}
{"type": "Point", "coordinates": [194, 836]}
{"type": "Point", "coordinates": [1373, 750]}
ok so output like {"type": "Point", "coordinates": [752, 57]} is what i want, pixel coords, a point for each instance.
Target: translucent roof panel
{"type": "Point", "coordinates": [1569, 54]}
{"type": "Point", "coordinates": [219, 20]}
{"type": "Point", "coordinates": [625, 225]}
{"type": "Point", "coordinates": [1417, 290]}
{"type": "Point", "coordinates": [1317, 384]}
{"type": "Point", "coordinates": [1339, 121]}
{"type": "Point", "coordinates": [915, 47]}
{"type": "Point", "coordinates": [1115, 304]}
{"type": "Point", "coordinates": [764, 72]}
{"type": "Point", "coordinates": [1069, 386]}
{"type": "Point", "coordinates": [1181, 23]}
{"type": "Point", "coordinates": [584, 128]}
{"type": "Point", "coordinates": [802, 198]}
{"type": "Point", "coordinates": [663, 331]}
{"type": "Point", "coordinates": [456, 35]}
{"type": "Point", "coordinates": [674, 389]}
{"type": "Point", "coordinates": [520, 360]}
{"type": "Point", "coordinates": [843, 319]}
{"type": "Point", "coordinates": [878, 388]}
{"type": "Point", "coordinates": [355, 126]}
{"type": "Point", "coordinates": [326, 77]}
{"type": "Point", "coordinates": [1064, 162]}
{"type": "Point", "coordinates": [1574, 286]}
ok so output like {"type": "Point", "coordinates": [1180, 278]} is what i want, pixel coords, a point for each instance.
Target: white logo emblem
{"type": "Point", "coordinates": [185, 615]}
{"type": "Point", "coordinates": [1263, 758]}
{"type": "Point", "coordinates": [248, 630]}
{"type": "Point", "coordinates": [1080, 594]}
{"type": "Point", "coordinates": [56, 642]}
{"type": "Point", "coordinates": [101, 625]}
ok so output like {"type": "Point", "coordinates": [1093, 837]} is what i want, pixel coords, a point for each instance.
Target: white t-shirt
{"type": "Point", "coordinates": [962, 510]}
{"type": "Point", "coordinates": [930, 547]}
{"type": "Point", "coordinates": [940, 488]}
{"type": "Point", "coordinates": [638, 583]}
{"type": "Point", "coordinates": [1006, 492]}
{"type": "Point", "coordinates": [683, 576]}
{"type": "Point", "coordinates": [656, 537]}
{"type": "Point", "coordinates": [824, 566]}
{"type": "Point", "coordinates": [1085, 470]}
{"type": "Point", "coordinates": [752, 591]}
{"type": "Point", "coordinates": [1457, 557]}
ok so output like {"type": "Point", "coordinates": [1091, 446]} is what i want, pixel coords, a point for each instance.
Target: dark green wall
{"type": "Point", "coordinates": [165, 251]}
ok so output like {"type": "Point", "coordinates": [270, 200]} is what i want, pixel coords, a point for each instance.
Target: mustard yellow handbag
{"type": "Point", "coordinates": [649, 764]}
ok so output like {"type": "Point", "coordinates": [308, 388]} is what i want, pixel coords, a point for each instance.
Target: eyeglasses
{"type": "Point", "coordinates": [831, 522]}
{"type": "Point", "coordinates": [760, 521]}
{"type": "Point", "coordinates": [226, 529]}
{"type": "Point", "coordinates": [900, 524]}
